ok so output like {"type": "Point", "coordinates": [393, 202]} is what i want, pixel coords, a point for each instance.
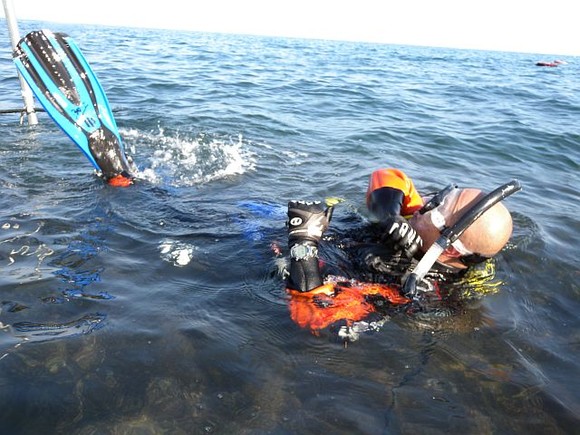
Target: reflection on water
{"type": "Point", "coordinates": [18, 244]}
{"type": "Point", "coordinates": [30, 331]}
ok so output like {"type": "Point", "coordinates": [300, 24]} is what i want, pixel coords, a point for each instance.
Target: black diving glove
{"type": "Point", "coordinates": [307, 221]}
{"type": "Point", "coordinates": [401, 235]}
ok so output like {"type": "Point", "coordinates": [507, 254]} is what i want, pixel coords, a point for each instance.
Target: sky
{"type": "Point", "coordinates": [548, 27]}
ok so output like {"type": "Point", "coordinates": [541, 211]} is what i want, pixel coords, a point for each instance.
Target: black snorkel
{"type": "Point", "coordinates": [451, 234]}
{"type": "Point", "coordinates": [437, 198]}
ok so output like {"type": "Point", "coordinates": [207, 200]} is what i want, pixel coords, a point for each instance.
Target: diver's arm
{"type": "Point", "coordinates": [391, 193]}
{"type": "Point", "coordinates": [307, 221]}
{"type": "Point", "coordinates": [305, 274]}
{"type": "Point", "coordinates": [385, 202]}
{"type": "Point", "coordinates": [390, 196]}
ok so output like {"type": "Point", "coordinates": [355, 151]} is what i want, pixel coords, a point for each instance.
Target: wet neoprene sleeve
{"type": "Point", "coordinates": [385, 202]}
{"type": "Point", "coordinates": [392, 193]}
{"type": "Point", "coordinates": [304, 274]}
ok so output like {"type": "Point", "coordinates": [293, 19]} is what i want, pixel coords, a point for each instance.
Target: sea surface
{"type": "Point", "coordinates": [160, 308]}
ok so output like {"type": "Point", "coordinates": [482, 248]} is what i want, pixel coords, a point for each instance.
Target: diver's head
{"type": "Point", "coordinates": [480, 241]}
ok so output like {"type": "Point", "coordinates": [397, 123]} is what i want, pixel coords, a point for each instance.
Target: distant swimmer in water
{"type": "Point", "coordinates": [551, 64]}
{"type": "Point", "coordinates": [407, 230]}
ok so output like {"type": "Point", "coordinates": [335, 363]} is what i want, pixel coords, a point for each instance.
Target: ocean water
{"type": "Point", "coordinates": [159, 308]}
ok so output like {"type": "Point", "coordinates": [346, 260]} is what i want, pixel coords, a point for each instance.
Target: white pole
{"type": "Point", "coordinates": [14, 38]}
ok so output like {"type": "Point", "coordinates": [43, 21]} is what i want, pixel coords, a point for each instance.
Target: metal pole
{"type": "Point", "coordinates": [14, 38]}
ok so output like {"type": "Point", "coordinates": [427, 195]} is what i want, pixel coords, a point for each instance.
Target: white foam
{"type": "Point", "coordinates": [178, 253]}
{"type": "Point", "coordinates": [185, 161]}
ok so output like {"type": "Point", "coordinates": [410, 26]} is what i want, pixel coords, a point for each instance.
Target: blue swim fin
{"type": "Point", "coordinates": [64, 83]}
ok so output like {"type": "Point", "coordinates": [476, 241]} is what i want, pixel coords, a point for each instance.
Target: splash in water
{"type": "Point", "coordinates": [183, 160]}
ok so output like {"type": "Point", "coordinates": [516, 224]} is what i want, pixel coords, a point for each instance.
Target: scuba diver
{"type": "Point", "coordinates": [442, 236]}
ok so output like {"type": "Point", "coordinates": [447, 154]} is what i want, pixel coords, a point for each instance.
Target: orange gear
{"type": "Point", "coordinates": [332, 302]}
{"type": "Point", "coordinates": [120, 181]}
{"type": "Point", "coordinates": [396, 179]}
